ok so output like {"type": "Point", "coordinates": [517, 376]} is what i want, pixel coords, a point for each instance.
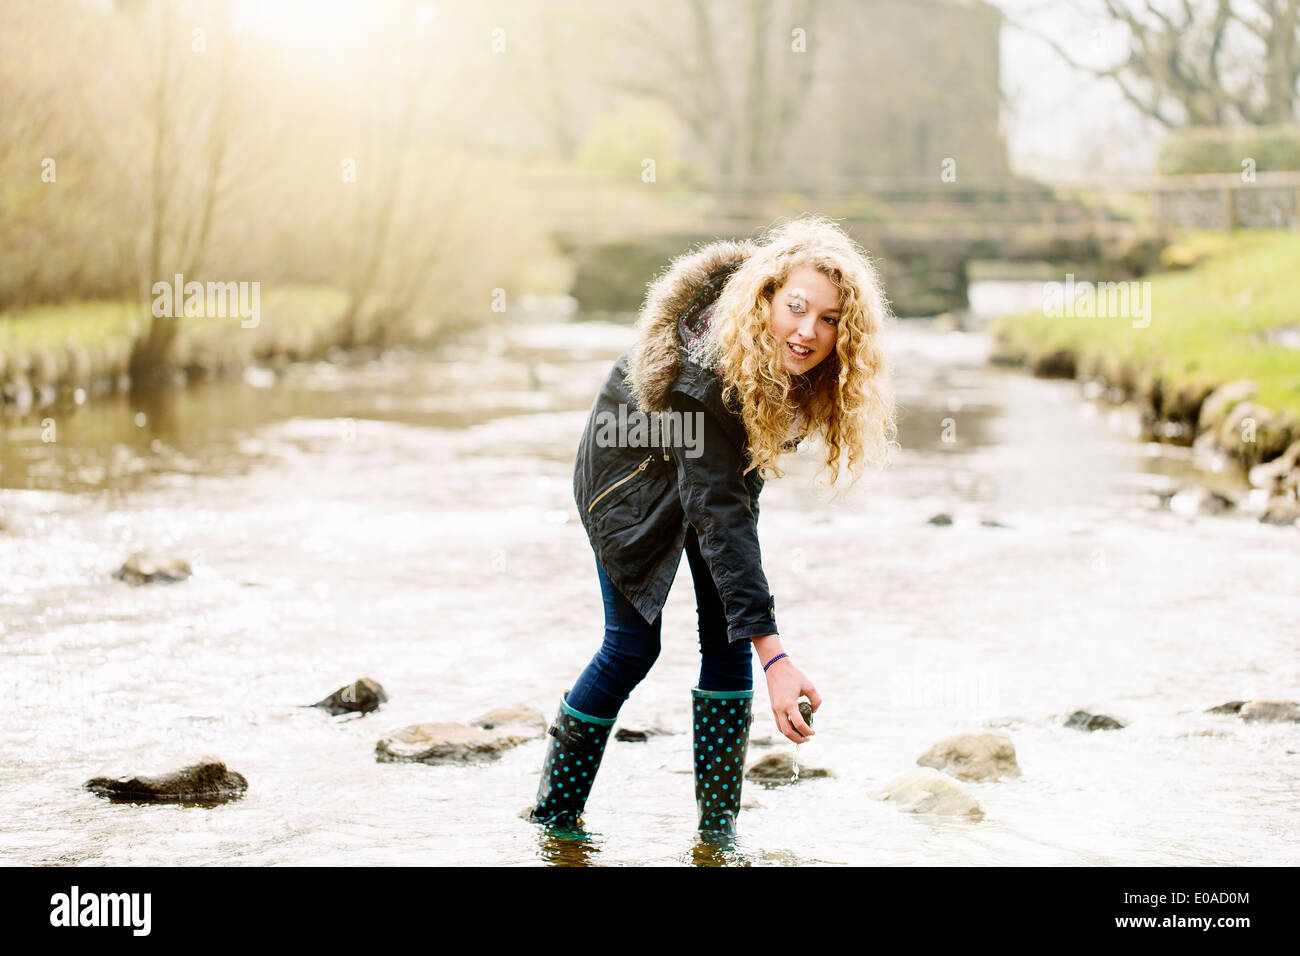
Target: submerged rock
{"type": "Point", "coordinates": [1271, 474]}
{"type": "Point", "coordinates": [452, 742]}
{"type": "Point", "coordinates": [1199, 501]}
{"type": "Point", "coordinates": [986, 756]}
{"type": "Point", "coordinates": [778, 769]}
{"type": "Point", "coordinates": [639, 734]}
{"type": "Point", "coordinates": [145, 568]}
{"type": "Point", "coordinates": [1286, 711]}
{"type": "Point", "coordinates": [205, 782]}
{"type": "Point", "coordinates": [942, 519]}
{"type": "Point", "coordinates": [1231, 707]}
{"type": "Point", "coordinates": [512, 716]}
{"type": "Point", "coordinates": [1082, 720]}
{"type": "Point", "coordinates": [926, 790]}
{"type": "Point", "coordinates": [361, 696]}
{"type": "Point", "coordinates": [1281, 510]}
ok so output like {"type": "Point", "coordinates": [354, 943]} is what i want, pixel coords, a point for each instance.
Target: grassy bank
{"type": "Point", "coordinates": [1213, 323]}
{"type": "Point", "coordinates": [88, 344]}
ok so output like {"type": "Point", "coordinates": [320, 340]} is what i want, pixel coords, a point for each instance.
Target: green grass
{"type": "Point", "coordinates": [283, 310]}
{"type": "Point", "coordinates": [88, 324]}
{"type": "Point", "coordinates": [1207, 322]}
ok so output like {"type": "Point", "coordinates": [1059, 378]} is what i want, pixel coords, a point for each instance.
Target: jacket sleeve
{"type": "Point", "coordinates": [718, 505]}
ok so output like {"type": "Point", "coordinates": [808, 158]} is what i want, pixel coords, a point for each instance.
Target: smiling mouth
{"type": "Point", "coordinates": [794, 350]}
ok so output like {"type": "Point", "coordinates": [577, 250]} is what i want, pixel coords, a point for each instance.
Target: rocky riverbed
{"type": "Point", "coordinates": [412, 520]}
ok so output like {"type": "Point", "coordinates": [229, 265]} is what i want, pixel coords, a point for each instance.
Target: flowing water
{"type": "Point", "coordinates": [411, 519]}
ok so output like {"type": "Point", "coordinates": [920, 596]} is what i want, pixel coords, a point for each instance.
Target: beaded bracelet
{"type": "Point", "coordinates": [774, 660]}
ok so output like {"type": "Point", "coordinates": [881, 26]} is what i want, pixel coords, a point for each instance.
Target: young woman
{"type": "Point", "coordinates": [743, 349]}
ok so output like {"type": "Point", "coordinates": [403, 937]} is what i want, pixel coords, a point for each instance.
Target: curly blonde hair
{"type": "Point", "coordinates": [846, 399]}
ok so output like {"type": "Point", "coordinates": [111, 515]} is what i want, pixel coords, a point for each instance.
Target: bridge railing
{"type": "Point", "coordinates": [970, 208]}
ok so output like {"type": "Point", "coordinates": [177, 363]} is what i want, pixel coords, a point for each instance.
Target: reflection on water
{"type": "Point", "coordinates": [411, 519]}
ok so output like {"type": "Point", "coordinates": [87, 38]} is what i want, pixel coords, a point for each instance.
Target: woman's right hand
{"type": "Point", "coordinates": [785, 683]}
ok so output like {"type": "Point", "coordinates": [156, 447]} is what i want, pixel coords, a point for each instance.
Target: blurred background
{"type": "Point", "coordinates": [431, 226]}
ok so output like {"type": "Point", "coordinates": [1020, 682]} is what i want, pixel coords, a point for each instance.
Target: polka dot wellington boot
{"type": "Point", "coordinates": [572, 758]}
{"type": "Point", "coordinates": [721, 719]}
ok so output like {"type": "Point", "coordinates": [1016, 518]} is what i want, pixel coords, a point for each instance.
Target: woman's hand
{"type": "Point", "coordinates": [785, 683]}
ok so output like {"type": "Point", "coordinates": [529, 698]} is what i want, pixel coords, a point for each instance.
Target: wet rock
{"type": "Point", "coordinates": [1271, 711]}
{"type": "Point", "coordinates": [1281, 511]}
{"type": "Point", "coordinates": [640, 734]}
{"type": "Point", "coordinates": [1231, 707]}
{"type": "Point", "coordinates": [18, 392]}
{"type": "Point", "coordinates": [1220, 401]}
{"type": "Point", "coordinates": [778, 769]}
{"type": "Point", "coordinates": [452, 742]}
{"type": "Point", "coordinates": [205, 782]}
{"type": "Point", "coordinates": [1253, 433]}
{"type": "Point", "coordinates": [1199, 501]}
{"type": "Point", "coordinates": [1082, 720]}
{"type": "Point", "coordinates": [1058, 364]}
{"type": "Point", "coordinates": [986, 756]}
{"type": "Point", "coordinates": [806, 711]}
{"type": "Point", "coordinates": [1271, 474]}
{"type": "Point", "coordinates": [765, 741]}
{"type": "Point", "coordinates": [942, 519]}
{"type": "Point", "coordinates": [44, 369]}
{"type": "Point", "coordinates": [145, 568]}
{"type": "Point", "coordinates": [515, 717]}
{"type": "Point", "coordinates": [359, 697]}
{"type": "Point", "coordinates": [1182, 403]}
{"type": "Point", "coordinates": [926, 790]}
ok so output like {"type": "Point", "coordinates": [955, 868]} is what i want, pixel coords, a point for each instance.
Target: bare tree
{"type": "Point", "coordinates": [1200, 62]}
{"type": "Point", "coordinates": [181, 202]}
{"type": "Point", "coordinates": [730, 104]}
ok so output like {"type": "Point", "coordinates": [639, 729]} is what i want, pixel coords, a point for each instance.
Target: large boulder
{"type": "Point", "coordinates": [359, 697]}
{"type": "Point", "coordinates": [926, 790]}
{"type": "Point", "coordinates": [145, 568]}
{"type": "Point", "coordinates": [986, 756]}
{"type": "Point", "coordinates": [207, 781]}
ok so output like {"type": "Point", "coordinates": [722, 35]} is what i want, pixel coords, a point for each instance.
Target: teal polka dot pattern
{"type": "Point", "coordinates": [721, 744]}
{"type": "Point", "coordinates": [572, 759]}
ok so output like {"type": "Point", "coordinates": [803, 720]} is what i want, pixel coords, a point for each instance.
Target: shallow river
{"type": "Point", "coordinates": [411, 519]}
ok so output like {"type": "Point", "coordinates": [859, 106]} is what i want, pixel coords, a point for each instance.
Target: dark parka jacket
{"type": "Point", "coordinates": [637, 501]}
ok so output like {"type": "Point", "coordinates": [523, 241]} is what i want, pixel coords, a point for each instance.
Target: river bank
{"type": "Point", "coordinates": [1211, 362]}
{"type": "Point", "coordinates": [69, 353]}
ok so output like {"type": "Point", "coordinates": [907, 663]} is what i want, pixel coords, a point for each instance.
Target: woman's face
{"type": "Point", "coordinates": [805, 319]}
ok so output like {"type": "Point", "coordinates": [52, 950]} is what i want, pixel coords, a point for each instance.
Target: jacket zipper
{"type": "Point", "coordinates": [639, 468]}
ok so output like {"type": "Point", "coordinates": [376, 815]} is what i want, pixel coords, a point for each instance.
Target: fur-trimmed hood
{"type": "Point", "coordinates": [654, 361]}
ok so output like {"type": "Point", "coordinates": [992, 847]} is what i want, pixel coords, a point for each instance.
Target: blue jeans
{"type": "Point", "coordinates": [631, 645]}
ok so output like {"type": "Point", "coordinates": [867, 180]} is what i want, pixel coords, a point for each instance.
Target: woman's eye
{"type": "Point", "coordinates": [796, 306]}
{"type": "Point", "coordinates": [833, 320]}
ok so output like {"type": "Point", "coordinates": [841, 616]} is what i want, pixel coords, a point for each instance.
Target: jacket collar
{"type": "Point", "coordinates": [654, 361]}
